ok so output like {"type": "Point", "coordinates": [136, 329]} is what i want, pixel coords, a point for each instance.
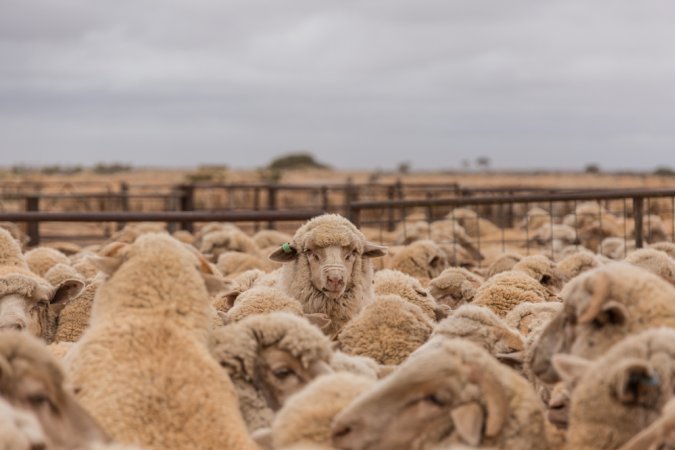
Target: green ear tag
{"type": "Point", "coordinates": [286, 247]}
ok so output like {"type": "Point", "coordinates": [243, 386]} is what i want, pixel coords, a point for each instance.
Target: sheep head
{"type": "Point", "coordinates": [32, 381]}
{"type": "Point", "coordinates": [600, 308]}
{"type": "Point", "coordinates": [444, 393]}
{"type": "Point", "coordinates": [30, 303]}
{"type": "Point", "coordinates": [330, 247]}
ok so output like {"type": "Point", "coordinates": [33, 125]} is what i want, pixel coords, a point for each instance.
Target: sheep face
{"type": "Point", "coordinates": [330, 269]}
{"type": "Point", "coordinates": [278, 375]}
{"type": "Point", "coordinates": [433, 397]}
{"type": "Point", "coordinates": [31, 381]}
{"type": "Point", "coordinates": [37, 313]}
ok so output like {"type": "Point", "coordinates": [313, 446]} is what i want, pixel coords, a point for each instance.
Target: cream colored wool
{"type": "Point", "coordinates": [503, 263]}
{"type": "Point", "coordinates": [60, 273]}
{"type": "Point", "coordinates": [616, 248]}
{"type": "Point", "coordinates": [421, 259]}
{"type": "Point", "coordinates": [10, 251]}
{"type": "Point", "coordinates": [133, 231]}
{"type": "Point", "coordinates": [536, 218]}
{"type": "Point", "coordinates": [527, 317]}
{"type": "Point", "coordinates": [217, 242]}
{"type": "Point", "coordinates": [41, 259]}
{"type": "Point", "coordinates": [74, 318]}
{"type": "Point", "coordinates": [306, 417]}
{"type": "Point", "coordinates": [271, 238]}
{"type": "Point", "coordinates": [387, 330]}
{"type": "Point", "coordinates": [295, 279]}
{"type": "Point", "coordinates": [233, 263]}
{"type": "Point", "coordinates": [654, 261]}
{"type": "Point", "coordinates": [577, 263]}
{"type": "Point", "coordinates": [67, 248]}
{"type": "Point", "coordinates": [541, 269]}
{"type": "Point", "coordinates": [504, 291]}
{"type": "Point", "coordinates": [143, 368]}
{"type": "Point", "coordinates": [389, 281]}
{"type": "Point", "coordinates": [184, 236]}
{"type": "Point", "coordinates": [19, 236]}
{"type": "Point", "coordinates": [86, 269]}
{"type": "Point", "coordinates": [622, 392]}
{"type": "Point", "coordinates": [19, 430]}
{"type": "Point", "coordinates": [455, 286]}
{"type": "Point", "coordinates": [237, 348]}
{"type": "Point", "coordinates": [666, 247]}
{"type": "Point", "coordinates": [483, 327]}
{"type": "Point", "coordinates": [263, 300]}
{"type": "Point", "coordinates": [473, 224]}
{"type": "Point", "coordinates": [358, 365]}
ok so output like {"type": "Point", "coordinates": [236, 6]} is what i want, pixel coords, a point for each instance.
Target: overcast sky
{"type": "Point", "coordinates": [360, 83]}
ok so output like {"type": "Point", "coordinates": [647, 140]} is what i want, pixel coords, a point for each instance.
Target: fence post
{"type": "Point", "coordinates": [324, 198]}
{"type": "Point", "coordinates": [348, 200]}
{"type": "Point", "coordinates": [391, 223]}
{"type": "Point", "coordinates": [187, 203]}
{"type": "Point", "coordinates": [33, 228]}
{"type": "Point", "coordinates": [124, 201]}
{"type": "Point", "coordinates": [637, 215]}
{"type": "Point", "coordinates": [272, 191]}
{"type": "Point", "coordinates": [256, 206]}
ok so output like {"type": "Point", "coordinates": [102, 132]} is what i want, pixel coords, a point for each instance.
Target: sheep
{"type": "Point", "coordinates": [387, 330]}
{"type": "Point", "coordinates": [358, 365]}
{"type": "Point", "coordinates": [557, 235]}
{"type": "Point", "coordinates": [270, 357]}
{"type": "Point", "coordinates": [659, 435]}
{"type": "Point", "coordinates": [422, 259]}
{"type": "Point", "coordinates": [74, 317]}
{"type": "Point", "coordinates": [503, 263]}
{"type": "Point", "coordinates": [261, 300]}
{"type": "Point", "coordinates": [653, 229]}
{"type": "Point", "coordinates": [409, 289]}
{"type": "Point", "coordinates": [504, 291]}
{"type": "Point", "coordinates": [622, 392]}
{"type": "Point", "coordinates": [234, 263]}
{"type": "Point", "coordinates": [527, 317]}
{"type": "Point", "coordinates": [654, 261]}
{"type": "Point", "coordinates": [536, 218]}
{"type": "Point", "coordinates": [327, 267]}
{"type": "Point", "coordinates": [86, 268]}
{"type": "Point", "coordinates": [576, 263]}
{"type": "Point", "coordinates": [449, 391]}
{"type": "Point", "coordinates": [28, 301]}
{"type": "Point", "coordinates": [450, 232]}
{"type": "Point", "coordinates": [600, 307]}
{"type": "Point", "coordinates": [19, 430]}
{"type": "Point", "coordinates": [473, 224]}
{"type": "Point", "coordinates": [485, 328]}
{"type": "Point", "coordinates": [217, 242]}
{"type": "Point", "coordinates": [666, 247]}
{"type": "Point", "coordinates": [307, 416]}
{"type": "Point", "coordinates": [152, 312]}
{"type": "Point", "coordinates": [270, 238]}
{"type": "Point", "coordinates": [616, 247]}
{"type": "Point", "coordinates": [133, 231]}
{"type": "Point", "coordinates": [16, 233]}
{"type": "Point", "coordinates": [41, 259]}
{"type": "Point", "coordinates": [184, 236]}
{"type": "Point", "coordinates": [67, 248]}
{"type": "Point", "coordinates": [455, 286]}
{"type": "Point", "coordinates": [543, 270]}
{"type": "Point", "coordinates": [32, 380]}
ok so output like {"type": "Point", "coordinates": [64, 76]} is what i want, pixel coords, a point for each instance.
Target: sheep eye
{"type": "Point", "coordinates": [434, 399]}
{"type": "Point", "coordinates": [39, 400]}
{"type": "Point", "coordinates": [283, 373]}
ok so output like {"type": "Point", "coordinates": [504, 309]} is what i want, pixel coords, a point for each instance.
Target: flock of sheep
{"type": "Point", "coordinates": [221, 340]}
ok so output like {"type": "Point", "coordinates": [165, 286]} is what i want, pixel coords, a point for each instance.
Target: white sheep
{"type": "Point", "coordinates": [327, 267]}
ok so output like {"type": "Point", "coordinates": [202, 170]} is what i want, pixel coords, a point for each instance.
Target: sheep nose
{"type": "Point", "coordinates": [334, 282]}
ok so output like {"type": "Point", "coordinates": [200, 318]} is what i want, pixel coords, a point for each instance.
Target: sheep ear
{"type": "Point", "coordinates": [442, 311]}
{"type": "Point", "coordinates": [617, 313]}
{"type": "Point", "coordinates": [106, 264]}
{"type": "Point", "coordinates": [231, 297]}
{"type": "Point", "coordinates": [285, 253]}
{"type": "Point", "coordinates": [373, 250]}
{"type": "Point", "coordinates": [637, 384]}
{"type": "Point", "coordinates": [224, 317]}
{"type": "Point", "coordinates": [570, 367]}
{"type": "Point", "coordinates": [514, 360]}
{"type": "Point", "coordinates": [66, 291]}
{"type": "Point", "coordinates": [263, 437]}
{"type": "Point", "coordinates": [214, 283]}
{"type": "Point", "coordinates": [469, 420]}
{"type": "Point", "coordinates": [385, 370]}
{"type": "Point", "coordinates": [320, 320]}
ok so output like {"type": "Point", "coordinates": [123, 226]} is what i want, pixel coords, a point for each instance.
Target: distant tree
{"type": "Point", "coordinates": [299, 160]}
{"type": "Point", "coordinates": [592, 168]}
{"type": "Point", "coordinates": [664, 171]}
{"type": "Point", "coordinates": [483, 162]}
{"type": "Point", "coordinates": [404, 167]}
